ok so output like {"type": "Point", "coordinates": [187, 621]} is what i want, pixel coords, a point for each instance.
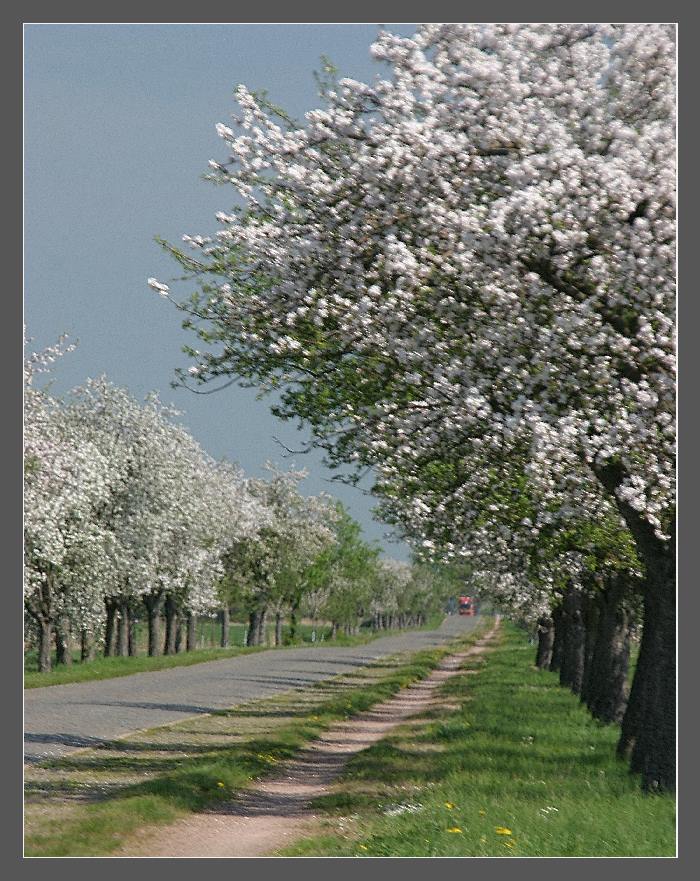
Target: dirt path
{"type": "Point", "coordinates": [275, 811]}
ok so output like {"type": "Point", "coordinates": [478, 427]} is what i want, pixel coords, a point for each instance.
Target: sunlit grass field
{"type": "Point", "coordinates": [520, 769]}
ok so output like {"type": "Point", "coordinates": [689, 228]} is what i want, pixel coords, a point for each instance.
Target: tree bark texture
{"type": "Point", "coordinates": [653, 754]}
{"type": "Point", "coordinates": [278, 628]}
{"type": "Point", "coordinates": [45, 632]}
{"type": "Point", "coordinates": [573, 649]}
{"type": "Point", "coordinates": [558, 641]}
{"type": "Point", "coordinates": [191, 631]}
{"type": "Point", "coordinates": [225, 618]}
{"type": "Point", "coordinates": [63, 651]}
{"type": "Point", "coordinates": [154, 604]}
{"type": "Point", "coordinates": [123, 630]}
{"type": "Point", "coordinates": [132, 633]}
{"type": "Point", "coordinates": [170, 624]}
{"type": "Point", "coordinates": [87, 646]}
{"type": "Point", "coordinates": [254, 629]}
{"type": "Point", "coordinates": [293, 620]}
{"type": "Point", "coordinates": [110, 628]}
{"type": "Point", "coordinates": [652, 722]}
{"type": "Point", "coordinates": [607, 691]}
{"type": "Point", "coordinates": [545, 641]}
{"type": "Point", "coordinates": [590, 611]}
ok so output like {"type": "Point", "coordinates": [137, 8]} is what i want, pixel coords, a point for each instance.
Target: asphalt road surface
{"type": "Point", "coordinates": [59, 719]}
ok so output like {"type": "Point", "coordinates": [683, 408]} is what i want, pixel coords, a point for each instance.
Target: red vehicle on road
{"type": "Point", "coordinates": [467, 606]}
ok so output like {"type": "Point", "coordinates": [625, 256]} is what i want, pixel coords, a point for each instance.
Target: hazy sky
{"type": "Point", "coordinates": [119, 126]}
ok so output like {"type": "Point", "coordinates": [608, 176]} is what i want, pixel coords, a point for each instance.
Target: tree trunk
{"type": "Point", "coordinates": [293, 620]}
{"type": "Point", "coordinates": [153, 603]}
{"type": "Point", "coordinates": [591, 610]}
{"type": "Point", "coordinates": [261, 627]}
{"type": "Point", "coordinates": [87, 646]}
{"type": "Point", "coordinates": [573, 650]}
{"type": "Point", "coordinates": [110, 630]}
{"type": "Point", "coordinates": [170, 624]}
{"type": "Point", "coordinates": [606, 694]}
{"type": "Point", "coordinates": [253, 628]}
{"type": "Point", "coordinates": [278, 628]}
{"type": "Point", "coordinates": [179, 626]}
{"type": "Point", "coordinates": [225, 620]}
{"type": "Point", "coordinates": [44, 631]}
{"type": "Point", "coordinates": [654, 751]}
{"type": "Point", "coordinates": [191, 631]}
{"type": "Point", "coordinates": [132, 634]}
{"type": "Point", "coordinates": [654, 706]}
{"type": "Point", "coordinates": [334, 630]}
{"type": "Point", "coordinates": [545, 641]}
{"type": "Point", "coordinates": [558, 641]}
{"type": "Point", "coordinates": [63, 652]}
{"type": "Point", "coordinates": [123, 630]}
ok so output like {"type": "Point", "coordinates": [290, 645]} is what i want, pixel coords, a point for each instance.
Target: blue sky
{"type": "Point", "coordinates": [119, 126]}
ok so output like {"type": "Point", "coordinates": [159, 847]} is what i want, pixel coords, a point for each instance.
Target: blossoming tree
{"type": "Point", "coordinates": [471, 253]}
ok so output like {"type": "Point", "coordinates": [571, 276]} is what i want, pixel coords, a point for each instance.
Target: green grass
{"type": "Point", "coordinates": [194, 764]}
{"type": "Point", "coordinates": [109, 668]}
{"type": "Point", "coordinates": [521, 754]}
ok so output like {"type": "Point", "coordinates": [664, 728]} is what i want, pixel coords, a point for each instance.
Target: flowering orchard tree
{"type": "Point", "coordinates": [272, 568]}
{"type": "Point", "coordinates": [172, 510]}
{"type": "Point", "coordinates": [66, 549]}
{"type": "Point", "coordinates": [476, 249]}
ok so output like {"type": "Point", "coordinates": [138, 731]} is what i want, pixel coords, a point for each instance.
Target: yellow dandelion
{"type": "Point", "coordinates": [220, 784]}
{"type": "Point", "coordinates": [502, 830]}
{"type": "Point", "coordinates": [454, 829]}
{"type": "Point", "coordinates": [362, 846]}
{"type": "Point", "coordinates": [449, 805]}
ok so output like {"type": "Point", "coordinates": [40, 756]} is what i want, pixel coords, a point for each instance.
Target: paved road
{"type": "Point", "coordinates": [62, 718]}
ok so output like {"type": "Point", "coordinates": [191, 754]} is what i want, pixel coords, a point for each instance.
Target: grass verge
{"type": "Point", "coordinates": [520, 769]}
{"type": "Point", "coordinates": [110, 668]}
{"type": "Point", "coordinates": [89, 803]}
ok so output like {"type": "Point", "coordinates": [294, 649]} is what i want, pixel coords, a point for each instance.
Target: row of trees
{"type": "Point", "coordinates": [462, 276]}
{"type": "Point", "coordinates": [127, 517]}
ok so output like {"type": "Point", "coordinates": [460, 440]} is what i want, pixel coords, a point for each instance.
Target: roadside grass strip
{"type": "Point", "coordinates": [518, 769]}
{"type": "Point", "coordinates": [114, 667]}
{"type": "Point", "coordinates": [90, 802]}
